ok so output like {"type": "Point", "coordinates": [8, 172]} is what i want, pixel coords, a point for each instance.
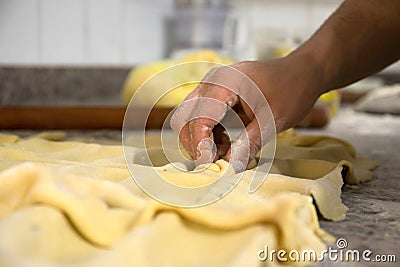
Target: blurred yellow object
{"type": "Point", "coordinates": [282, 51]}
{"type": "Point", "coordinates": [192, 73]}
{"type": "Point", "coordinates": [139, 75]}
{"type": "Point", "coordinates": [207, 55]}
{"type": "Point", "coordinates": [332, 100]}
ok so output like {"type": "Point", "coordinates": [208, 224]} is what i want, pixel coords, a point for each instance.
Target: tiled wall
{"type": "Point", "coordinates": [291, 13]}
{"type": "Point", "coordinates": [111, 32]}
{"type": "Point", "coordinates": [82, 31]}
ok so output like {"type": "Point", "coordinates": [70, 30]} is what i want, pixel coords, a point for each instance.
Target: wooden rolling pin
{"type": "Point", "coordinates": [65, 117]}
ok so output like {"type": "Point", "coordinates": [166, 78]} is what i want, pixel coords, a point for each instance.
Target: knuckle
{"type": "Point", "coordinates": [200, 126]}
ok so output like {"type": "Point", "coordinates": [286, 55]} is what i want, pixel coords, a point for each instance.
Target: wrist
{"type": "Point", "coordinates": [324, 55]}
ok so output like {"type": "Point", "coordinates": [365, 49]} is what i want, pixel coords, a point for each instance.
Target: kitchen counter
{"type": "Point", "coordinates": [373, 219]}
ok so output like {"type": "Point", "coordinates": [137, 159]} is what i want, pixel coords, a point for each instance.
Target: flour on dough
{"type": "Point", "coordinates": [74, 203]}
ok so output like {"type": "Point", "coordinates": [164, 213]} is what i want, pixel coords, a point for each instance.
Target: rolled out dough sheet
{"type": "Point", "coordinates": [74, 204]}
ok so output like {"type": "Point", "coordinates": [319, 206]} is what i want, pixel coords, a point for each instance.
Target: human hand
{"type": "Point", "coordinates": [289, 85]}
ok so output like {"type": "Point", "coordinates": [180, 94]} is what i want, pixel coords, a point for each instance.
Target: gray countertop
{"type": "Point", "coordinates": [373, 219]}
{"type": "Point", "coordinates": [61, 85]}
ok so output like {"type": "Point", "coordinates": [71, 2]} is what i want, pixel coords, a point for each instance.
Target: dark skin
{"type": "Point", "coordinates": [360, 38]}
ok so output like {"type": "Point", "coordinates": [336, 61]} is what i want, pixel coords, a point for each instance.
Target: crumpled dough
{"type": "Point", "coordinates": [324, 184]}
{"type": "Point", "coordinates": [61, 203]}
{"type": "Point", "coordinates": [103, 213]}
{"type": "Point", "coordinates": [292, 145]}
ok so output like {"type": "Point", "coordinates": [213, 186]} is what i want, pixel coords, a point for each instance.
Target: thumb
{"type": "Point", "coordinates": [245, 148]}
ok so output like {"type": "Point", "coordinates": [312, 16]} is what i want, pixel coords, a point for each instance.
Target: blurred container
{"type": "Point", "coordinates": [238, 41]}
{"type": "Point", "coordinates": [197, 24]}
{"type": "Point", "coordinates": [209, 24]}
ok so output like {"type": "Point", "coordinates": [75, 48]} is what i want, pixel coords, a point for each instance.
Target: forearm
{"type": "Point", "coordinates": [359, 39]}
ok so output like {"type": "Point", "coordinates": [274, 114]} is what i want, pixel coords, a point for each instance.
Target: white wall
{"type": "Point", "coordinates": [298, 17]}
{"type": "Point", "coordinates": [308, 14]}
{"type": "Point", "coordinates": [82, 31]}
{"type": "Point", "coordinates": [122, 31]}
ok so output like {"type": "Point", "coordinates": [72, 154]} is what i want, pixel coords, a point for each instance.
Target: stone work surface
{"type": "Point", "coordinates": [373, 219]}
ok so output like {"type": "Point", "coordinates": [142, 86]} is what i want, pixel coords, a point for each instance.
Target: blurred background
{"type": "Point", "coordinates": [98, 52]}
{"type": "Point", "coordinates": [74, 65]}
{"type": "Point", "coordinates": [128, 32]}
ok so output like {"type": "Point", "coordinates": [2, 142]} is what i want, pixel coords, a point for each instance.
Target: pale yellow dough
{"type": "Point", "coordinates": [75, 204]}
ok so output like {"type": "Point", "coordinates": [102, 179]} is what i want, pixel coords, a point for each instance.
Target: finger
{"type": "Point", "coordinates": [244, 117]}
{"type": "Point", "coordinates": [202, 114]}
{"type": "Point", "coordinates": [185, 140]}
{"type": "Point", "coordinates": [183, 113]}
{"type": "Point", "coordinates": [180, 124]}
{"type": "Point", "coordinates": [185, 109]}
{"type": "Point", "coordinates": [221, 140]}
{"type": "Point", "coordinates": [245, 148]}
{"type": "Point", "coordinates": [211, 109]}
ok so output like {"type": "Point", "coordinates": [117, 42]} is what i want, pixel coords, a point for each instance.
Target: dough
{"type": "Point", "coordinates": [8, 138]}
{"type": "Point", "coordinates": [292, 145]}
{"type": "Point", "coordinates": [74, 203]}
{"type": "Point", "coordinates": [385, 100]}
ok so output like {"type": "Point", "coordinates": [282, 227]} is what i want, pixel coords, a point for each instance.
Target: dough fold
{"type": "Point", "coordinates": [74, 203]}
